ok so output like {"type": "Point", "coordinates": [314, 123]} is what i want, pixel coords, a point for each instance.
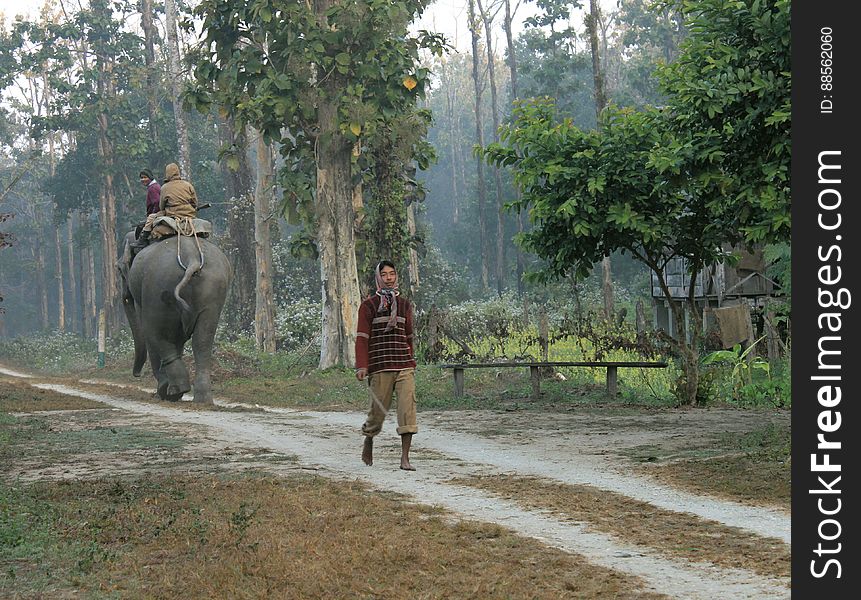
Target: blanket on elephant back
{"type": "Point", "coordinates": [165, 226]}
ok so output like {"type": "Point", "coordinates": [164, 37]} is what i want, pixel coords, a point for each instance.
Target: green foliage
{"type": "Point", "coordinates": [729, 100]}
{"type": "Point", "coordinates": [386, 166]}
{"type": "Point", "coordinates": [742, 366]}
{"type": "Point", "coordinates": [272, 64]}
{"type": "Point", "coordinates": [709, 169]}
{"type": "Point", "coordinates": [750, 380]}
{"type": "Point", "coordinates": [551, 66]}
{"type": "Point", "coordinates": [592, 193]}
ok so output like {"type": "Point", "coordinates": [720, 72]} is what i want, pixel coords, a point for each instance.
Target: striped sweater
{"type": "Point", "coordinates": [378, 350]}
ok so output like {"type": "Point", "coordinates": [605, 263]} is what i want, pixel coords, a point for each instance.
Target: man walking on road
{"type": "Point", "coordinates": [384, 354]}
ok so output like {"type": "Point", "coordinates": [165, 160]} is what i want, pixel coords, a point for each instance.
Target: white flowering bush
{"type": "Point", "coordinates": [298, 323]}
{"type": "Point", "coordinates": [53, 351]}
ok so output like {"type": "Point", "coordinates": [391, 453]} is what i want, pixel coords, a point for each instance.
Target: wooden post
{"type": "Point", "coordinates": [611, 381]}
{"type": "Point", "coordinates": [102, 338]}
{"type": "Point", "coordinates": [544, 335]}
{"type": "Point", "coordinates": [535, 376]}
{"type": "Point", "coordinates": [772, 336]}
{"type": "Point", "coordinates": [458, 383]}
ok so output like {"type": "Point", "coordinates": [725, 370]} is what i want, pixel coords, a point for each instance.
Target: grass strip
{"type": "Point", "coordinates": [675, 534]}
{"type": "Point", "coordinates": [258, 536]}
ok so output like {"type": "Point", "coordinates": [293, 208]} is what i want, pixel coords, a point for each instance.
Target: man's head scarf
{"type": "Point", "coordinates": [388, 298]}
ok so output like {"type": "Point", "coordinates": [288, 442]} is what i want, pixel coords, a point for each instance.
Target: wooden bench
{"type": "Point", "coordinates": [535, 371]}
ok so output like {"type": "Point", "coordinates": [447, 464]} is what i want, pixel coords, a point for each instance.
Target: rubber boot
{"type": "Point", "coordinates": [141, 242]}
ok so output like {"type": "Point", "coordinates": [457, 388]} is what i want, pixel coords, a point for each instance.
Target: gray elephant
{"type": "Point", "coordinates": [167, 305]}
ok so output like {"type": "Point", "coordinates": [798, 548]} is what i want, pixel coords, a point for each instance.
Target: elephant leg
{"type": "Point", "coordinates": [201, 344]}
{"type": "Point", "coordinates": [176, 374]}
{"type": "Point", "coordinates": [132, 312]}
{"type": "Point", "coordinates": [155, 364]}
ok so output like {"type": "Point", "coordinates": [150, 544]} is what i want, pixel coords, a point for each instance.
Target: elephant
{"type": "Point", "coordinates": [167, 305]}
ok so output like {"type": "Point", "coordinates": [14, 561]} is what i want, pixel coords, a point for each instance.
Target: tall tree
{"type": "Point", "coordinates": [487, 20]}
{"type": "Point", "coordinates": [151, 73]}
{"type": "Point", "coordinates": [264, 312]}
{"type": "Point", "coordinates": [238, 174]}
{"type": "Point", "coordinates": [314, 76]}
{"type": "Point", "coordinates": [74, 300]}
{"type": "Point", "coordinates": [478, 86]}
{"type": "Point", "coordinates": [176, 88]}
{"type": "Point", "coordinates": [592, 24]}
{"type": "Point", "coordinates": [511, 56]}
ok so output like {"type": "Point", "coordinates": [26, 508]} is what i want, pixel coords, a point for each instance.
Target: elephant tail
{"type": "Point", "coordinates": [190, 272]}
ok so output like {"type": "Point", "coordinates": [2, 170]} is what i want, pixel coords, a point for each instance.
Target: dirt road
{"type": "Point", "coordinates": [566, 448]}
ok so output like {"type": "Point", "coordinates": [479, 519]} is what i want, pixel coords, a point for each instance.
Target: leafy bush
{"type": "Point", "coordinates": [297, 323]}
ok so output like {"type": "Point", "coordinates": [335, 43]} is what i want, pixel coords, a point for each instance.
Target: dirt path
{"type": "Point", "coordinates": [459, 444]}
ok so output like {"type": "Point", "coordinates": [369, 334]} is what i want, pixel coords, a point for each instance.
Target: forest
{"type": "Point", "coordinates": [536, 188]}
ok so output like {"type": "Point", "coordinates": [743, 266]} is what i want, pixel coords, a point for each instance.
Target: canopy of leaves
{"type": "Point", "coordinates": [710, 168]}
{"type": "Point", "coordinates": [590, 193]}
{"type": "Point", "coordinates": [729, 94]}
{"type": "Point", "coordinates": [268, 61]}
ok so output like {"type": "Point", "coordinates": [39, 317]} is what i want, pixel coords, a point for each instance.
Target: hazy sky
{"type": "Point", "coordinates": [448, 17]}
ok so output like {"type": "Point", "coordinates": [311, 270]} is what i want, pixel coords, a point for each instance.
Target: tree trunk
{"type": "Point", "coordinates": [515, 95]}
{"type": "Point", "coordinates": [61, 292]}
{"type": "Point", "coordinates": [512, 56]}
{"type": "Point", "coordinates": [41, 283]}
{"type": "Point", "coordinates": [88, 291]}
{"type": "Point", "coordinates": [689, 356]}
{"type": "Point", "coordinates": [107, 225]}
{"type": "Point", "coordinates": [84, 292]}
{"type": "Point", "coordinates": [240, 225]}
{"type": "Point", "coordinates": [453, 130]}
{"type": "Point", "coordinates": [74, 304]}
{"type": "Point", "coordinates": [176, 88]}
{"type": "Point", "coordinates": [597, 72]}
{"type": "Point", "coordinates": [607, 288]}
{"type": "Point", "coordinates": [335, 237]}
{"type": "Point", "coordinates": [600, 103]}
{"type": "Point", "coordinates": [479, 139]}
{"type": "Point", "coordinates": [151, 79]}
{"type": "Point", "coordinates": [414, 256]}
{"type": "Point", "coordinates": [264, 313]}
{"type": "Point", "coordinates": [497, 178]}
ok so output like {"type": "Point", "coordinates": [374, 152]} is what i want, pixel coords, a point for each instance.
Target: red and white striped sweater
{"type": "Point", "coordinates": [379, 350]}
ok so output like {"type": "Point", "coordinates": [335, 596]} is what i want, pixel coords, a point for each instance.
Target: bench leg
{"type": "Point", "coordinates": [535, 376]}
{"type": "Point", "coordinates": [611, 381]}
{"type": "Point", "coordinates": [458, 383]}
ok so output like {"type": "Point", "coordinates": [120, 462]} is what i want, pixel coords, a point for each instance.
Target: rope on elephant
{"type": "Point", "coordinates": [185, 227]}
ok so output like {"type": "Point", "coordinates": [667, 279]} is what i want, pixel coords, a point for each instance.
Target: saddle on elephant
{"type": "Point", "coordinates": [168, 226]}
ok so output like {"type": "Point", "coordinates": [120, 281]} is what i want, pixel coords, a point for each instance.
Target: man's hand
{"type": "Point", "coordinates": [361, 373]}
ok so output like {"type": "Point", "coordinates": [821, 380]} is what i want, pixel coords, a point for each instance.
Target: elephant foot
{"type": "Point", "coordinates": [171, 393]}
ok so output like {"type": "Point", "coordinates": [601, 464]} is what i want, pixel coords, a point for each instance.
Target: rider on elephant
{"type": "Point", "coordinates": [178, 200]}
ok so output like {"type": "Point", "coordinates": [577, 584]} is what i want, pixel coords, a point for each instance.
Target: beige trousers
{"type": "Point", "coordinates": [382, 385]}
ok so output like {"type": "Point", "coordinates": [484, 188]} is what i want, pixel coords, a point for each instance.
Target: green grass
{"type": "Point", "coordinates": [290, 379]}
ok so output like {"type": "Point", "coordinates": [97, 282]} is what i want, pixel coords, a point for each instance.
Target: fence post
{"type": "Point", "coordinates": [101, 338]}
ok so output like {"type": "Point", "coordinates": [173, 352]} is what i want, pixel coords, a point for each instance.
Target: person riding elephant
{"type": "Point", "coordinates": [178, 200]}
